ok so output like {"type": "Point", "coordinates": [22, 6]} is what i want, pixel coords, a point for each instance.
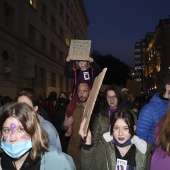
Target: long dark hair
{"type": "Point", "coordinates": [67, 99]}
{"type": "Point", "coordinates": [52, 96]}
{"type": "Point", "coordinates": [125, 114]}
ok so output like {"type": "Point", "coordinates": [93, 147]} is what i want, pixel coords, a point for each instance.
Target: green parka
{"type": "Point", "coordinates": [102, 157]}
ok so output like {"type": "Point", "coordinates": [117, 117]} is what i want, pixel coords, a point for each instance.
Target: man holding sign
{"type": "Point", "coordinates": [75, 140]}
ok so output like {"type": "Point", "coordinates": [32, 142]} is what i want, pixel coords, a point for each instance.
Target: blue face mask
{"type": "Point", "coordinates": [16, 150]}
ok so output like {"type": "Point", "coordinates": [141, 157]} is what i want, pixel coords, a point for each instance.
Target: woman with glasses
{"type": "Point", "coordinates": [111, 102]}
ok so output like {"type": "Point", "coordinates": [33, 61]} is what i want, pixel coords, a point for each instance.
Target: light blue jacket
{"type": "Point", "coordinates": [149, 116]}
{"type": "Point", "coordinates": [52, 132]}
{"type": "Point", "coordinates": [54, 159]}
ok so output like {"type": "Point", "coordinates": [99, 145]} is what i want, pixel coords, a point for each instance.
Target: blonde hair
{"type": "Point", "coordinates": [88, 63]}
{"type": "Point", "coordinates": [28, 118]}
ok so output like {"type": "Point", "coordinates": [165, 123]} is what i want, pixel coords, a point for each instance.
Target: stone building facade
{"type": "Point", "coordinates": [34, 42]}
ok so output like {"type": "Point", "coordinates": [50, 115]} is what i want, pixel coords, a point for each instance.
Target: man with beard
{"type": "Point", "coordinates": [74, 147]}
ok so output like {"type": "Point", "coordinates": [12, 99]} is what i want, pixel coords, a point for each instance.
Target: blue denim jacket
{"type": "Point", "coordinates": [52, 132]}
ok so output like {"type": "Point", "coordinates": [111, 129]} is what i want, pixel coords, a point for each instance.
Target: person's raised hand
{"type": "Point", "coordinates": [85, 137]}
{"type": "Point", "coordinates": [90, 59]}
{"type": "Point", "coordinates": [68, 59]}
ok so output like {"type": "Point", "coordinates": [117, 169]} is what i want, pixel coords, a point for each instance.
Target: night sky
{"type": "Point", "coordinates": [115, 26]}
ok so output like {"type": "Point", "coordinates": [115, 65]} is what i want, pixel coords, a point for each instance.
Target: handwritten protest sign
{"type": "Point", "coordinates": [92, 98]}
{"type": "Point", "coordinates": [79, 49]}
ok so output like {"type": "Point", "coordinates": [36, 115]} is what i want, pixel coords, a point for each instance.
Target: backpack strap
{"type": "Point", "coordinates": [75, 80]}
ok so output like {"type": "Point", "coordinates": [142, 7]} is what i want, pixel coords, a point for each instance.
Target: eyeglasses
{"type": "Point", "coordinates": [111, 97]}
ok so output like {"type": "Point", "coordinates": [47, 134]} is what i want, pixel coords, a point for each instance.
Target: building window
{"type": "Point", "coordinates": [39, 77]}
{"type": "Point", "coordinates": [61, 10]}
{"type": "Point", "coordinates": [71, 8]}
{"type": "Point", "coordinates": [137, 62]}
{"type": "Point", "coordinates": [29, 83]}
{"type": "Point", "coordinates": [61, 57]}
{"type": "Point", "coordinates": [33, 3]}
{"type": "Point", "coordinates": [53, 80]}
{"type": "Point", "coordinates": [137, 50]}
{"type": "Point", "coordinates": [44, 12]}
{"type": "Point", "coordinates": [42, 78]}
{"type": "Point", "coordinates": [67, 20]}
{"type": "Point", "coordinates": [137, 56]}
{"type": "Point", "coordinates": [43, 42]}
{"type": "Point", "coordinates": [75, 33]}
{"type": "Point", "coordinates": [62, 35]}
{"type": "Point", "coordinates": [53, 23]}
{"type": "Point", "coordinates": [61, 82]}
{"type": "Point", "coordinates": [55, 3]}
{"type": "Point", "coordinates": [67, 40]}
{"type": "Point", "coordinates": [53, 50]}
{"type": "Point", "coordinates": [68, 4]}
{"type": "Point", "coordinates": [71, 24]}
{"type": "Point", "coordinates": [31, 34]}
{"type": "Point", "coordinates": [8, 16]}
{"type": "Point", "coordinates": [75, 16]}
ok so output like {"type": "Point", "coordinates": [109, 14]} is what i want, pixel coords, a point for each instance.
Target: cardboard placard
{"type": "Point", "coordinates": [79, 49]}
{"type": "Point", "coordinates": [92, 98]}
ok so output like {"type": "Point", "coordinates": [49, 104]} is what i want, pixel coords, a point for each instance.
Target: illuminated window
{"type": "Point", "coordinates": [67, 40]}
{"type": "Point", "coordinates": [33, 3]}
{"type": "Point", "coordinates": [137, 50]}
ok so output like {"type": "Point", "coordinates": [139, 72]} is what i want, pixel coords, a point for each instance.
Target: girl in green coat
{"type": "Point", "coordinates": [118, 154]}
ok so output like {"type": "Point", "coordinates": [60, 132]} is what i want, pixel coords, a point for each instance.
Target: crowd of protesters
{"type": "Point", "coordinates": [125, 131]}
